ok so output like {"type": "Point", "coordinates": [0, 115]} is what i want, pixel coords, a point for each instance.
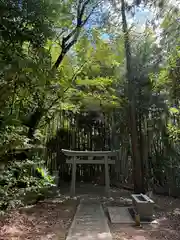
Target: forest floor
{"type": "Point", "coordinates": [51, 219]}
{"type": "Point", "coordinates": [47, 220]}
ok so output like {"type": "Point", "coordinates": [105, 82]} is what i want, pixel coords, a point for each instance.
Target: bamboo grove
{"type": "Point", "coordinates": [93, 57]}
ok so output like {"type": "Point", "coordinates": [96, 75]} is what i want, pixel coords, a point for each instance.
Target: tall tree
{"type": "Point", "coordinates": [137, 168]}
{"type": "Point", "coordinates": [124, 7]}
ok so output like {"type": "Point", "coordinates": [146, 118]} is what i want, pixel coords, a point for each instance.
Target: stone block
{"type": "Point", "coordinates": [143, 205]}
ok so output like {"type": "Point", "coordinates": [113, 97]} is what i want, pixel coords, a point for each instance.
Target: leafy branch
{"type": "Point", "coordinates": [69, 40]}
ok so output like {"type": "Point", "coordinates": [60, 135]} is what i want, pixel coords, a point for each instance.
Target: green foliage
{"type": "Point", "coordinates": [24, 20]}
{"type": "Point", "coordinates": [25, 65]}
{"type": "Point", "coordinates": [17, 180]}
{"type": "Point", "coordinates": [91, 75]}
{"type": "Point", "coordinates": [12, 138]}
{"type": "Point", "coordinates": [46, 178]}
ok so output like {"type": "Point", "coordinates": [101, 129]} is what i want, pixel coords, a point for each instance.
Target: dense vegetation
{"type": "Point", "coordinates": [57, 55]}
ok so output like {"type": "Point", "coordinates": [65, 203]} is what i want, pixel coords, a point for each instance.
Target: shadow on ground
{"type": "Point", "coordinates": [43, 221]}
{"type": "Point", "coordinates": [51, 219]}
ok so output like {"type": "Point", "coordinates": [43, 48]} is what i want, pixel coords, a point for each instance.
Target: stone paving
{"type": "Point", "coordinates": [120, 215]}
{"type": "Point", "coordinates": [90, 223]}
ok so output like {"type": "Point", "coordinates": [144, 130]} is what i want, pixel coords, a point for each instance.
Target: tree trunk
{"type": "Point", "coordinates": [33, 121]}
{"type": "Point", "coordinates": [141, 147]}
{"type": "Point", "coordinates": [137, 170]}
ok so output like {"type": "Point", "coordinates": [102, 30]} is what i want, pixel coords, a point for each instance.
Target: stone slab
{"type": "Point", "coordinates": [90, 223]}
{"type": "Point", "coordinates": [123, 216]}
{"type": "Point", "coordinates": [120, 215]}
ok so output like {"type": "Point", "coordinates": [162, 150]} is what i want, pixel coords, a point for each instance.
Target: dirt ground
{"type": "Point", "coordinates": [51, 219]}
{"type": "Point", "coordinates": [48, 220]}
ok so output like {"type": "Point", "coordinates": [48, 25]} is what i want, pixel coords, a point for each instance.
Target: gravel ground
{"type": "Point", "coordinates": [51, 219]}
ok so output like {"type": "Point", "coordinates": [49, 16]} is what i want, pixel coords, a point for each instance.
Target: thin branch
{"type": "Point", "coordinates": [80, 16]}
{"type": "Point", "coordinates": [72, 82]}
{"type": "Point", "coordinates": [77, 71]}
{"type": "Point", "coordinates": [65, 39]}
{"type": "Point", "coordinates": [89, 15]}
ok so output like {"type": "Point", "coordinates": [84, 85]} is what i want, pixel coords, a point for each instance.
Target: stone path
{"type": "Point", "coordinates": [90, 223]}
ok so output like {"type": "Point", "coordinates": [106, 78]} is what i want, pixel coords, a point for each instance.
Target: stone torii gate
{"type": "Point", "coordinates": [76, 157]}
